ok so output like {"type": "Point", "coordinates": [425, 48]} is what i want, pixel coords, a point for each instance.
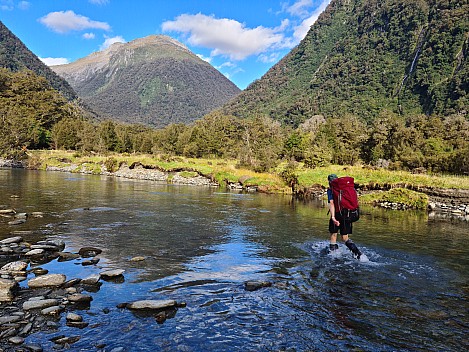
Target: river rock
{"type": "Point", "coordinates": [39, 271]}
{"type": "Point", "coordinates": [152, 304]}
{"type": "Point", "coordinates": [9, 319]}
{"type": "Point", "coordinates": [91, 280]}
{"type": "Point", "coordinates": [40, 303]}
{"type": "Point", "coordinates": [137, 259]}
{"type": "Point", "coordinates": [74, 317]}
{"type": "Point", "coordinates": [50, 280]}
{"type": "Point", "coordinates": [33, 348]}
{"type": "Point", "coordinates": [256, 285]}
{"type": "Point", "coordinates": [93, 261]}
{"type": "Point", "coordinates": [54, 310]}
{"type": "Point", "coordinates": [109, 274]}
{"type": "Point", "coordinates": [57, 243]}
{"type": "Point", "coordinates": [87, 252]}
{"type": "Point", "coordinates": [7, 211]}
{"type": "Point", "coordinates": [62, 340]}
{"type": "Point", "coordinates": [14, 266]}
{"type": "Point", "coordinates": [66, 256]}
{"type": "Point", "coordinates": [16, 340]}
{"type": "Point", "coordinates": [80, 298]}
{"type": "Point", "coordinates": [7, 290]}
{"type": "Point", "coordinates": [17, 222]}
{"type": "Point", "coordinates": [16, 239]}
{"type": "Point", "coordinates": [37, 251]}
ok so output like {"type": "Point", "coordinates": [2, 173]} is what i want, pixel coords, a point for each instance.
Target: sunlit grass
{"type": "Point", "coordinates": [226, 170]}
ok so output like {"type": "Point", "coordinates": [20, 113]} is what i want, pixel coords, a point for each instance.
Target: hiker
{"type": "Point", "coordinates": [341, 218]}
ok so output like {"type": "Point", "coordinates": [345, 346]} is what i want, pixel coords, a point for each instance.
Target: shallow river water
{"type": "Point", "coordinates": [410, 293]}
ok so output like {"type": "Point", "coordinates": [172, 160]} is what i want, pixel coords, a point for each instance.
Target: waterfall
{"type": "Point", "coordinates": [420, 42]}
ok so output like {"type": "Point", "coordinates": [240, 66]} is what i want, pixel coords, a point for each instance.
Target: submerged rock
{"type": "Point", "coordinates": [152, 304]}
{"type": "Point", "coordinates": [256, 285]}
{"type": "Point", "coordinates": [88, 252]}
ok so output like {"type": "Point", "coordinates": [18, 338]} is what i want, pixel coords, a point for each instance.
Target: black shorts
{"type": "Point", "coordinates": [345, 227]}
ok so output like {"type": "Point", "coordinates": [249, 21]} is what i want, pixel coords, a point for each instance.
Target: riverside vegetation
{"type": "Point", "coordinates": [377, 185]}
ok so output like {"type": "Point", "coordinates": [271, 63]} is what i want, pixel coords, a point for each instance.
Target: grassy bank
{"type": "Point", "coordinates": [224, 171]}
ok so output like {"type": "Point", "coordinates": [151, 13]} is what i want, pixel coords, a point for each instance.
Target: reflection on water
{"type": "Point", "coordinates": [200, 246]}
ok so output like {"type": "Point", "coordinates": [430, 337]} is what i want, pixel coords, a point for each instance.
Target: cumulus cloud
{"type": "Point", "coordinates": [88, 36]}
{"type": "Point", "coordinates": [302, 29]}
{"type": "Point", "coordinates": [109, 41]}
{"type": "Point", "coordinates": [52, 61]}
{"type": "Point", "coordinates": [226, 37]}
{"type": "Point", "coordinates": [66, 21]}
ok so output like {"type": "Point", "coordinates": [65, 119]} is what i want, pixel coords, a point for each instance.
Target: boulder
{"type": "Point", "coordinates": [50, 280]}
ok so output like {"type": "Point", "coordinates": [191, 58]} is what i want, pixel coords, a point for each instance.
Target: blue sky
{"type": "Point", "coordinates": [241, 38]}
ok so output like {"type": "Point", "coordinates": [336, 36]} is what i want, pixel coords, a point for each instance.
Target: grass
{"type": "Point", "coordinates": [410, 198]}
{"type": "Point", "coordinates": [224, 170]}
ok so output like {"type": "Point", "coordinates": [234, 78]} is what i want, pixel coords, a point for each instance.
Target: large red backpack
{"type": "Point", "coordinates": [344, 193]}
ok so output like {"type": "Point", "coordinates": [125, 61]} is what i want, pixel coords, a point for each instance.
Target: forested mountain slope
{"type": "Point", "coordinates": [153, 80]}
{"type": "Point", "coordinates": [15, 56]}
{"type": "Point", "coordinates": [363, 56]}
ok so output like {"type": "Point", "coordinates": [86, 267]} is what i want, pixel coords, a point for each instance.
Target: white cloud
{"type": "Point", "coordinates": [7, 5]}
{"type": "Point", "coordinates": [99, 2]}
{"type": "Point", "coordinates": [226, 37]}
{"type": "Point", "coordinates": [24, 5]}
{"type": "Point", "coordinates": [66, 21]}
{"type": "Point", "coordinates": [88, 35]}
{"type": "Point", "coordinates": [269, 58]}
{"type": "Point", "coordinates": [51, 61]}
{"type": "Point", "coordinates": [208, 59]}
{"type": "Point", "coordinates": [302, 29]}
{"type": "Point", "coordinates": [109, 41]}
{"type": "Point", "coordinates": [300, 8]}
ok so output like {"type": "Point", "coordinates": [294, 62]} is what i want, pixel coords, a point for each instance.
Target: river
{"type": "Point", "coordinates": [201, 244]}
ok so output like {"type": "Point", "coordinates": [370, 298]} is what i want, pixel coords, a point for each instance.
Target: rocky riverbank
{"type": "Point", "coordinates": [443, 203]}
{"type": "Point", "coordinates": [47, 297]}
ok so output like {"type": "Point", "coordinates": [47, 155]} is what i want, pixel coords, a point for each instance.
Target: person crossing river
{"type": "Point", "coordinates": [343, 207]}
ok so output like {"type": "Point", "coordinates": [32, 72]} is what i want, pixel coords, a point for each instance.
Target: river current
{"type": "Point", "coordinates": [201, 244]}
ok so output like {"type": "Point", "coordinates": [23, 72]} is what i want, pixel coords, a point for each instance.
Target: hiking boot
{"type": "Point", "coordinates": [333, 247]}
{"type": "Point", "coordinates": [353, 248]}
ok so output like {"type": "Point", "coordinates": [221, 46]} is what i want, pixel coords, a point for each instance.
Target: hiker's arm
{"type": "Point", "coordinates": [332, 210]}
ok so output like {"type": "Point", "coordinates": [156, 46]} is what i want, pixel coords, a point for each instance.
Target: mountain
{"type": "Point", "coordinates": [364, 56]}
{"type": "Point", "coordinates": [153, 80]}
{"type": "Point", "coordinates": [15, 56]}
